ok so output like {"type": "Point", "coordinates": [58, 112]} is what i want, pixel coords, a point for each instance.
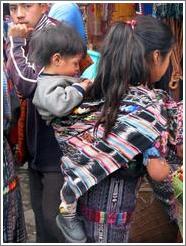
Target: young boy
{"type": "Point", "coordinates": [59, 49]}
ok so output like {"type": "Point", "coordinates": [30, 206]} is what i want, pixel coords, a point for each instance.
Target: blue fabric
{"type": "Point", "coordinates": [11, 106]}
{"type": "Point", "coordinates": [147, 8]}
{"type": "Point", "coordinates": [71, 14]}
{"type": "Point", "coordinates": [131, 108]}
{"type": "Point", "coordinates": [149, 153]}
{"type": "Point", "coordinates": [5, 29]}
{"type": "Point", "coordinates": [80, 89]}
{"type": "Point", "coordinates": [91, 71]}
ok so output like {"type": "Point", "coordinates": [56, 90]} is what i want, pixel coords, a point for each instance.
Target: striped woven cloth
{"type": "Point", "coordinates": [142, 121]}
{"type": "Point", "coordinates": [14, 228]}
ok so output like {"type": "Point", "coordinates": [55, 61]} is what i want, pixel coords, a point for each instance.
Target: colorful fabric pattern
{"type": "Point", "coordinates": [14, 229]}
{"type": "Point", "coordinates": [115, 195]}
{"type": "Point", "coordinates": [10, 186]}
{"type": "Point", "coordinates": [88, 158]}
{"type": "Point", "coordinates": [105, 217]}
{"type": "Point", "coordinates": [179, 133]}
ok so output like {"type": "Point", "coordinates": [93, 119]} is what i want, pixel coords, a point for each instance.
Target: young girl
{"type": "Point", "coordinates": [132, 120]}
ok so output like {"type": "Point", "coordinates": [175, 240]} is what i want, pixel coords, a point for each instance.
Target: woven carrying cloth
{"type": "Point", "coordinates": [142, 121]}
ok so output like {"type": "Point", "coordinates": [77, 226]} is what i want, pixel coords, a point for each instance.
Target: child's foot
{"type": "Point", "coordinates": [72, 228]}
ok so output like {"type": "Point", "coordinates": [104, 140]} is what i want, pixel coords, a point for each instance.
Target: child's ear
{"type": "Point", "coordinates": [156, 57]}
{"type": "Point", "coordinates": [56, 59]}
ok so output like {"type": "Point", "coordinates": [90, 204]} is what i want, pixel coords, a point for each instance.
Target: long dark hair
{"type": "Point", "coordinates": [125, 60]}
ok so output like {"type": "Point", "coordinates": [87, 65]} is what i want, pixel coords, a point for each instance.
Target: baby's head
{"type": "Point", "coordinates": [59, 49]}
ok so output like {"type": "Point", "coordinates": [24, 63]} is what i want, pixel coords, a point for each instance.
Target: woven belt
{"type": "Point", "coordinates": [10, 186]}
{"type": "Point", "coordinates": [105, 217]}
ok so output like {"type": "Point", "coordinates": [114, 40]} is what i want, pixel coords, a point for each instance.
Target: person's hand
{"type": "Point", "coordinates": [158, 169]}
{"type": "Point", "coordinates": [86, 84]}
{"type": "Point", "coordinates": [19, 30]}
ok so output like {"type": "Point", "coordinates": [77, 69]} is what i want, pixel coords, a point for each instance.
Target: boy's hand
{"type": "Point", "coordinates": [19, 30]}
{"type": "Point", "coordinates": [86, 84]}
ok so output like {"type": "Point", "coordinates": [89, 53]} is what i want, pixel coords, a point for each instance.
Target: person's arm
{"type": "Point", "coordinates": [175, 124]}
{"type": "Point", "coordinates": [56, 100]}
{"type": "Point", "coordinates": [179, 132]}
{"type": "Point", "coordinates": [21, 72]}
{"type": "Point", "coordinates": [158, 169]}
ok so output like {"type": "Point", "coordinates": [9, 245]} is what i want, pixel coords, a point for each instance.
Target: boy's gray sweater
{"type": "Point", "coordinates": [57, 95]}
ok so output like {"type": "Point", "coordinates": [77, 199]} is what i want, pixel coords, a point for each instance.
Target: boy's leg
{"type": "Point", "coordinates": [45, 198]}
{"type": "Point", "coordinates": [36, 202]}
{"type": "Point", "coordinates": [78, 180]}
{"type": "Point", "coordinates": [52, 183]}
{"type": "Point", "coordinates": [68, 200]}
{"type": "Point", "coordinates": [67, 220]}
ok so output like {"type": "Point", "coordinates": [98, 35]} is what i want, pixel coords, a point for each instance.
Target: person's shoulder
{"type": "Point", "coordinates": [64, 7]}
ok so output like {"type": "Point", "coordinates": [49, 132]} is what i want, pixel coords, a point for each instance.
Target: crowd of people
{"type": "Point", "coordinates": [87, 142]}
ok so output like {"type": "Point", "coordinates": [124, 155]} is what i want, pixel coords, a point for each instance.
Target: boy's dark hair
{"type": "Point", "coordinates": [125, 60]}
{"type": "Point", "coordinates": [52, 39]}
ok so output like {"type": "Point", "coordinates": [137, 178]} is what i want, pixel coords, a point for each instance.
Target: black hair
{"type": "Point", "coordinates": [61, 38]}
{"type": "Point", "coordinates": [6, 10]}
{"type": "Point", "coordinates": [125, 60]}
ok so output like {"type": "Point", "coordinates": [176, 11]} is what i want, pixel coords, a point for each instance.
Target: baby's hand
{"type": "Point", "coordinates": [19, 30]}
{"type": "Point", "coordinates": [158, 169]}
{"type": "Point", "coordinates": [86, 84]}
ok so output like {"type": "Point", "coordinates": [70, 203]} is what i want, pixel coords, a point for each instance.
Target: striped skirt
{"type": "Point", "coordinates": [107, 209]}
{"type": "Point", "coordinates": [14, 230]}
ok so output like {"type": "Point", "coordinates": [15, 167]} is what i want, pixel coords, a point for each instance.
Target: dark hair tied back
{"type": "Point", "coordinates": [125, 58]}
